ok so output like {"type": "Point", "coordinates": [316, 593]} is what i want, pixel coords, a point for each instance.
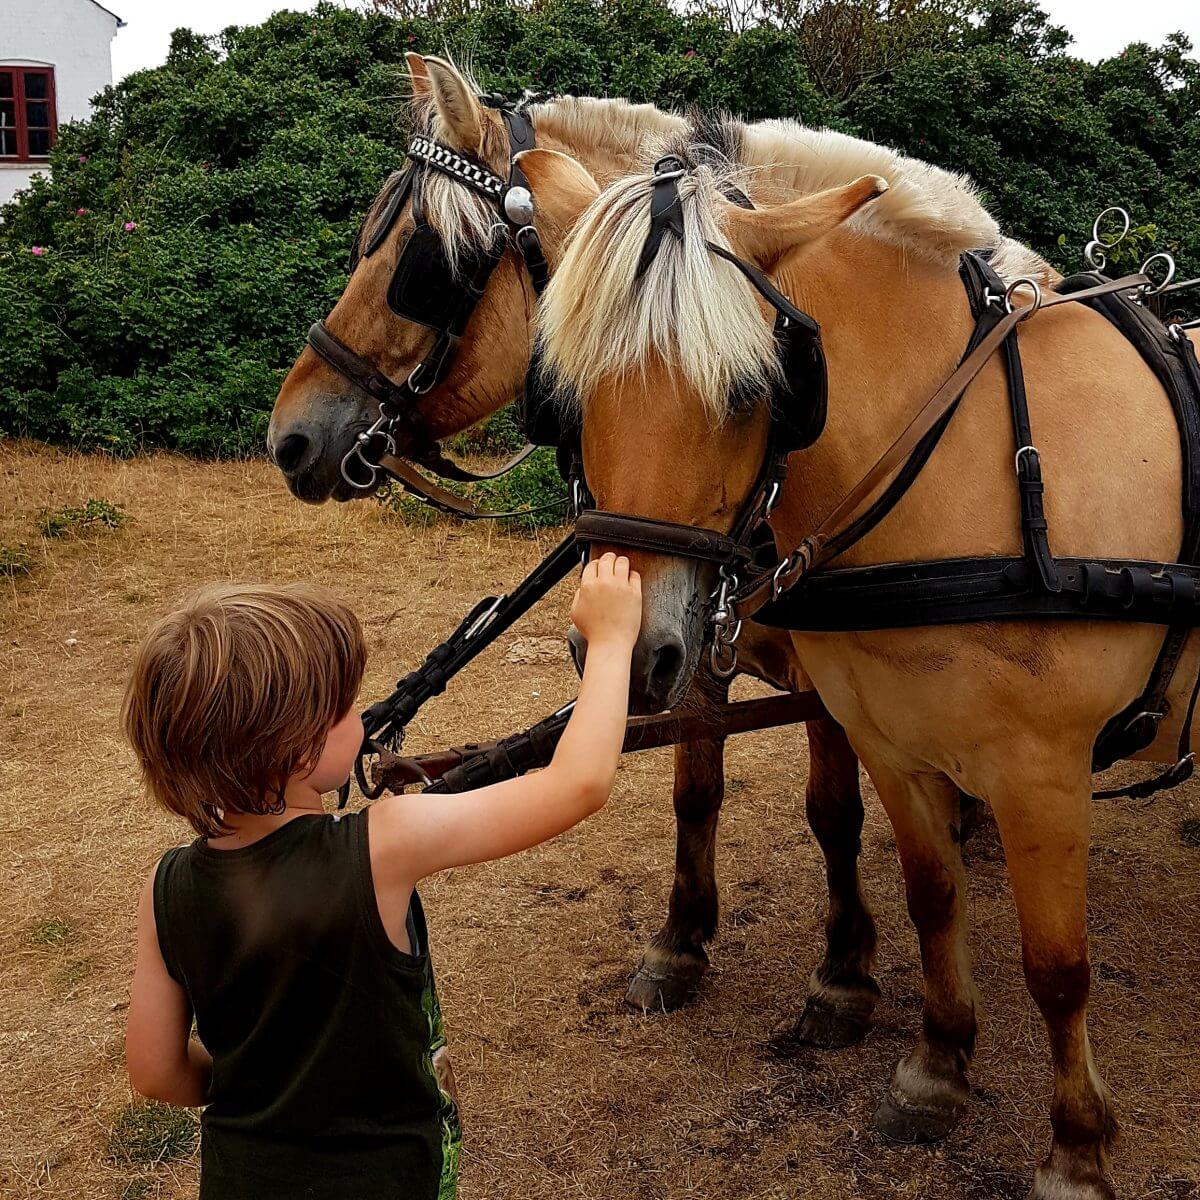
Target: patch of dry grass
{"type": "Point", "coordinates": [565, 1093]}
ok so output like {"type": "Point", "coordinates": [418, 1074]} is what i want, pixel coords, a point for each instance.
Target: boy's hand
{"type": "Point", "coordinates": [608, 605]}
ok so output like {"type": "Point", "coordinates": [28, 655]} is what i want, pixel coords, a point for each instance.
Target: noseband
{"type": "Point", "coordinates": [427, 290]}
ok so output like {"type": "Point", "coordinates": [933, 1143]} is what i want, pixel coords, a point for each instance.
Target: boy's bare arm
{"type": "Point", "coordinates": [415, 836]}
{"type": "Point", "coordinates": [163, 1062]}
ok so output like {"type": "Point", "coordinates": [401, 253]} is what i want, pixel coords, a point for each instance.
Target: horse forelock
{"type": "Point", "coordinates": [691, 312]}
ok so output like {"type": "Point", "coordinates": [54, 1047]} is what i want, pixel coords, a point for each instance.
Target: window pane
{"type": "Point", "coordinates": [39, 143]}
{"type": "Point", "coordinates": [37, 85]}
{"type": "Point", "coordinates": [8, 143]}
{"type": "Point", "coordinates": [8, 112]}
{"type": "Point", "coordinates": [6, 83]}
{"type": "Point", "coordinates": [37, 112]}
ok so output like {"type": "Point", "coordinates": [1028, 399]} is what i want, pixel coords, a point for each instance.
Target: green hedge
{"type": "Point", "coordinates": [193, 227]}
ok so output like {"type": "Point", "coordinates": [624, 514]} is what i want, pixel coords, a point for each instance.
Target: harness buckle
{"type": "Point", "coordinates": [1020, 453]}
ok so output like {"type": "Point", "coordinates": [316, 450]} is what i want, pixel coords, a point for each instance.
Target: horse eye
{"type": "Point", "coordinates": [744, 394]}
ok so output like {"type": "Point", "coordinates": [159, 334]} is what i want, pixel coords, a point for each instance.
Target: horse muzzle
{"type": "Point", "coordinates": [310, 448]}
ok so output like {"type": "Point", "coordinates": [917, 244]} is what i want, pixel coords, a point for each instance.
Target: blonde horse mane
{"type": "Point", "coordinates": [693, 311]}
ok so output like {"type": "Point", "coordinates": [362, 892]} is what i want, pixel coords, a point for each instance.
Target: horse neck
{"type": "Point", "coordinates": [893, 329]}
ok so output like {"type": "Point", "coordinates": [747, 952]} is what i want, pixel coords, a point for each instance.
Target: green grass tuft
{"type": "Point", "coordinates": [75, 972]}
{"type": "Point", "coordinates": [53, 931]}
{"type": "Point", "coordinates": [147, 1133]}
{"type": "Point", "coordinates": [15, 561]}
{"type": "Point", "coordinates": [54, 523]}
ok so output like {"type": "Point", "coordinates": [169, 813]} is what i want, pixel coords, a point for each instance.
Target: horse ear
{"type": "Point", "coordinates": [562, 189]}
{"type": "Point", "coordinates": [418, 73]}
{"type": "Point", "coordinates": [766, 234]}
{"type": "Point", "coordinates": [456, 105]}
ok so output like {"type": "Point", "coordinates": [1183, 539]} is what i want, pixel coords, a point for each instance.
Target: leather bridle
{"type": "Point", "coordinates": [374, 453]}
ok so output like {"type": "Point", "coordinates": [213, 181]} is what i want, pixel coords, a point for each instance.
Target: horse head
{"type": "Point", "coordinates": [668, 364]}
{"type": "Point", "coordinates": [319, 412]}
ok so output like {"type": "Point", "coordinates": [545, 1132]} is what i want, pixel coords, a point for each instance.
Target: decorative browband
{"type": "Point", "coordinates": [443, 159]}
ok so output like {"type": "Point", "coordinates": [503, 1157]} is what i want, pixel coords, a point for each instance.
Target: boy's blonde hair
{"type": "Point", "coordinates": [235, 692]}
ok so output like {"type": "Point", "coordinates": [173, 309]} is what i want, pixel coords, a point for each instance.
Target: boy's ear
{"type": "Point", "coordinates": [419, 74]}
{"type": "Point", "coordinates": [456, 105]}
{"type": "Point", "coordinates": [764, 235]}
{"type": "Point", "coordinates": [562, 189]}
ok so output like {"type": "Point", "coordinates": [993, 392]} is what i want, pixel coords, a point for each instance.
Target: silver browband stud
{"type": "Point", "coordinates": [518, 206]}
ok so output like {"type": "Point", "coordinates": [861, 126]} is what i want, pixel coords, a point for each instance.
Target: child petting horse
{"type": "Point", "coordinates": [295, 938]}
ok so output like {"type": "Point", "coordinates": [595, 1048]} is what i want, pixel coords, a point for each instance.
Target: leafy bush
{"type": "Point", "coordinates": [155, 288]}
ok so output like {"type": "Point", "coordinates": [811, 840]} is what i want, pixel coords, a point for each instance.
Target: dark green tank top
{"type": "Point", "coordinates": [329, 1072]}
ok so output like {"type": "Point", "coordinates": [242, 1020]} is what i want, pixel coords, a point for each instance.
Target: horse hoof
{"type": "Point", "coordinates": [655, 990]}
{"type": "Point", "coordinates": [828, 1023]}
{"type": "Point", "coordinates": [914, 1126]}
{"type": "Point", "coordinates": [1071, 1174]}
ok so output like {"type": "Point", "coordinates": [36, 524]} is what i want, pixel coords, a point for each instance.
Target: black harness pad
{"type": "Point", "coordinates": [423, 285]}
{"type": "Point", "coordinates": [800, 406]}
{"type": "Point", "coordinates": [537, 411]}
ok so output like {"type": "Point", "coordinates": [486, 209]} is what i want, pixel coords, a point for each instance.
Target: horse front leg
{"type": "Point", "coordinates": [842, 993]}
{"type": "Point", "coordinates": [929, 1087]}
{"type": "Point", "coordinates": [675, 959]}
{"type": "Point", "coordinates": [1044, 820]}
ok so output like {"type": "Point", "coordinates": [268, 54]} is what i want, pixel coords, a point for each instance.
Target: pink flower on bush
{"type": "Point", "coordinates": [130, 226]}
{"type": "Point", "coordinates": [82, 212]}
{"type": "Point", "coordinates": [83, 158]}
{"type": "Point", "coordinates": [37, 251]}
{"type": "Point", "coordinates": [689, 54]}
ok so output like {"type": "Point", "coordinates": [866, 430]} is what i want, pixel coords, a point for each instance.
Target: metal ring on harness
{"type": "Point", "coordinates": [1033, 286]}
{"type": "Point", "coordinates": [381, 428]}
{"type": "Point", "coordinates": [724, 642]}
{"type": "Point", "coordinates": [1096, 251]}
{"type": "Point", "coordinates": [1154, 289]}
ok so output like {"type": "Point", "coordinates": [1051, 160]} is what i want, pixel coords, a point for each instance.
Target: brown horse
{"type": "Point", "coordinates": [1006, 711]}
{"type": "Point", "coordinates": [318, 416]}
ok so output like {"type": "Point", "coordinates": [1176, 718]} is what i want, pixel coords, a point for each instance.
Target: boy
{"type": "Point", "coordinates": [296, 939]}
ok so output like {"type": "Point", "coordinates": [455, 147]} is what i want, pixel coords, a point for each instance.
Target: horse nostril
{"type": "Point", "coordinates": [291, 452]}
{"type": "Point", "coordinates": [665, 665]}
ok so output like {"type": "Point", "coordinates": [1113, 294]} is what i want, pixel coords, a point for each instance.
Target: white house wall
{"type": "Point", "coordinates": [72, 36]}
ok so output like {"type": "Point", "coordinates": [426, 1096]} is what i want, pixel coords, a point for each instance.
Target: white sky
{"type": "Point", "coordinates": [1100, 27]}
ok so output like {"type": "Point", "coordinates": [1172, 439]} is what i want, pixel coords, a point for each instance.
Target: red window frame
{"type": "Point", "coordinates": [20, 102]}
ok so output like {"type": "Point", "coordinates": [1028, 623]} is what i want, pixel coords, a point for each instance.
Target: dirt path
{"type": "Point", "coordinates": [565, 1093]}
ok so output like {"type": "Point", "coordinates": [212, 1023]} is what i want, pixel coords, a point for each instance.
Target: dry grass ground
{"type": "Point", "coordinates": [566, 1094]}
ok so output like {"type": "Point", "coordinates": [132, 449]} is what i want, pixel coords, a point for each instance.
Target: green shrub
{"type": "Point", "coordinates": [192, 229]}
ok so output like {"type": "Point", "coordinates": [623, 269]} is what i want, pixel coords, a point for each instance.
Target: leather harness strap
{"type": "Point", "coordinates": [817, 547]}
